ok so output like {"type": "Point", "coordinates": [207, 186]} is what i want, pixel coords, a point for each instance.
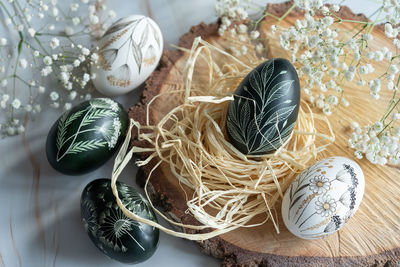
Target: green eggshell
{"type": "Point", "coordinates": [116, 235]}
{"type": "Point", "coordinates": [85, 137]}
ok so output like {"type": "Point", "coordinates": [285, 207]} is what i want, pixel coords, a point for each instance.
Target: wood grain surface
{"type": "Point", "coordinates": [370, 238]}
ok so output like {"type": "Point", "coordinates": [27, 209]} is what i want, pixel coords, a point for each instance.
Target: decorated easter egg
{"type": "Point", "coordinates": [115, 234]}
{"type": "Point", "coordinates": [323, 198]}
{"type": "Point", "coordinates": [129, 52]}
{"type": "Point", "coordinates": [265, 107]}
{"type": "Point", "coordinates": [85, 137]}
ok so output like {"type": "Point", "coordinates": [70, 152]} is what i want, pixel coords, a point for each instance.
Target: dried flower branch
{"type": "Point", "coordinates": [327, 59]}
{"type": "Point", "coordinates": [53, 51]}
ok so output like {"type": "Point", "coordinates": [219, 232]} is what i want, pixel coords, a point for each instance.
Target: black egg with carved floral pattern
{"type": "Point", "coordinates": [112, 232]}
{"type": "Point", "coordinates": [264, 111]}
{"type": "Point", "coordinates": [86, 136]}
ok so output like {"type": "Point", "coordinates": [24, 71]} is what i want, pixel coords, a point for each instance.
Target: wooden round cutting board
{"type": "Point", "coordinates": [370, 238]}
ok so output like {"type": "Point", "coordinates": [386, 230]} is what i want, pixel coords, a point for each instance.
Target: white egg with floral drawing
{"type": "Point", "coordinates": [129, 52]}
{"type": "Point", "coordinates": [323, 198]}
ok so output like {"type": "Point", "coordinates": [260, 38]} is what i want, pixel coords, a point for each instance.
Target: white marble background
{"type": "Point", "coordinates": [40, 221]}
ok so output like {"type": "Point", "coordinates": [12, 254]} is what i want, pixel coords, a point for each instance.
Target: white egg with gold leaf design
{"type": "Point", "coordinates": [129, 52]}
{"type": "Point", "coordinates": [323, 198]}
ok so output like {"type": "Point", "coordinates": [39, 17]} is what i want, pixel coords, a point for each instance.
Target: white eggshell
{"type": "Point", "coordinates": [129, 52]}
{"type": "Point", "coordinates": [323, 198]}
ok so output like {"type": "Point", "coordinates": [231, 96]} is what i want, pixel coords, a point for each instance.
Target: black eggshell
{"type": "Point", "coordinates": [85, 137]}
{"type": "Point", "coordinates": [116, 235]}
{"type": "Point", "coordinates": [265, 108]}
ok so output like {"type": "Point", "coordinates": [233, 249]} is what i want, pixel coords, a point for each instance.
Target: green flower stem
{"type": "Point", "coordinates": [271, 15]}
{"type": "Point", "coordinates": [279, 19]}
{"type": "Point", "coordinates": [7, 12]}
{"type": "Point", "coordinates": [22, 80]}
{"type": "Point", "coordinates": [390, 111]}
{"type": "Point", "coordinates": [14, 81]}
{"type": "Point", "coordinates": [287, 12]}
{"type": "Point", "coordinates": [384, 128]}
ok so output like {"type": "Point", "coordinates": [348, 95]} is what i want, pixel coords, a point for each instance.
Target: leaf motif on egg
{"type": "Point", "coordinates": [244, 125]}
{"type": "Point", "coordinates": [122, 76]}
{"type": "Point", "coordinates": [98, 108]}
{"type": "Point", "coordinates": [129, 52]}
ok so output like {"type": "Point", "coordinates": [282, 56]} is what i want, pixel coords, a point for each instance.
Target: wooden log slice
{"type": "Point", "coordinates": [370, 238]}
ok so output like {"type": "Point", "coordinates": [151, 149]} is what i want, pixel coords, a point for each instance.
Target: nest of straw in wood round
{"type": "Point", "coordinates": [228, 189]}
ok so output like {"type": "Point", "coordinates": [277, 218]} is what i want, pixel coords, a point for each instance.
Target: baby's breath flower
{"type": "Point", "coordinates": [47, 60]}
{"type": "Point", "coordinates": [241, 28]}
{"type": "Point", "coordinates": [243, 49]}
{"type": "Point", "coordinates": [76, 21]}
{"type": "Point", "coordinates": [111, 14]}
{"type": "Point", "coordinates": [55, 11]}
{"type": "Point", "coordinates": [31, 32]}
{"type": "Point", "coordinates": [55, 105]}
{"type": "Point", "coordinates": [378, 56]}
{"type": "Point", "coordinates": [85, 51]}
{"type": "Point", "coordinates": [86, 77]}
{"type": "Point", "coordinates": [54, 96]}
{"type": "Point", "coordinates": [260, 48]}
{"type": "Point", "coordinates": [46, 71]}
{"type": "Point", "coordinates": [72, 95]}
{"type": "Point", "coordinates": [3, 83]}
{"type": "Point", "coordinates": [3, 41]}
{"type": "Point", "coordinates": [378, 126]}
{"type": "Point", "coordinates": [67, 106]}
{"type": "Point", "coordinates": [11, 131]}
{"type": "Point", "coordinates": [74, 7]}
{"type": "Point", "coordinates": [69, 31]}
{"type": "Point", "coordinates": [94, 19]}
{"type": "Point", "coordinates": [16, 103]}
{"type": "Point", "coordinates": [54, 43]}
{"type": "Point", "coordinates": [273, 29]}
{"type": "Point", "coordinates": [397, 131]}
{"type": "Point", "coordinates": [254, 34]}
{"type": "Point", "coordinates": [393, 69]}
{"type": "Point", "coordinates": [94, 57]}
{"type": "Point", "coordinates": [396, 116]}
{"type": "Point", "coordinates": [390, 85]}
{"type": "Point", "coordinates": [358, 154]}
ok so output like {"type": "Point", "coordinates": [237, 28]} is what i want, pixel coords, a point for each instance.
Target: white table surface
{"type": "Point", "coordinates": [40, 224]}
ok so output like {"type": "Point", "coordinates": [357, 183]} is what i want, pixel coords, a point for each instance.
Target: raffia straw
{"type": "Point", "coordinates": [229, 188]}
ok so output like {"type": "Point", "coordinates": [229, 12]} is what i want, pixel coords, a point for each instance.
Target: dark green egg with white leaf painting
{"type": "Point", "coordinates": [265, 108]}
{"type": "Point", "coordinates": [115, 234]}
{"type": "Point", "coordinates": [86, 136]}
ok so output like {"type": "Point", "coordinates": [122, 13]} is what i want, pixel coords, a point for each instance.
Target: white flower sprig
{"type": "Point", "coordinates": [57, 50]}
{"type": "Point", "coordinates": [327, 59]}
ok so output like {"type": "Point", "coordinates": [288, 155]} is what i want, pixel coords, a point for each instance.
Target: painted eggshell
{"type": "Point", "coordinates": [265, 107]}
{"type": "Point", "coordinates": [85, 137]}
{"type": "Point", "coordinates": [323, 198]}
{"type": "Point", "coordinates": [116, 235]}
{"type": "Point", "coordinates": [129, 52]}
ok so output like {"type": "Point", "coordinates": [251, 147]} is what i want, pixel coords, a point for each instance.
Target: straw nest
{"type": "Point", "coordinates": [229, 189]}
